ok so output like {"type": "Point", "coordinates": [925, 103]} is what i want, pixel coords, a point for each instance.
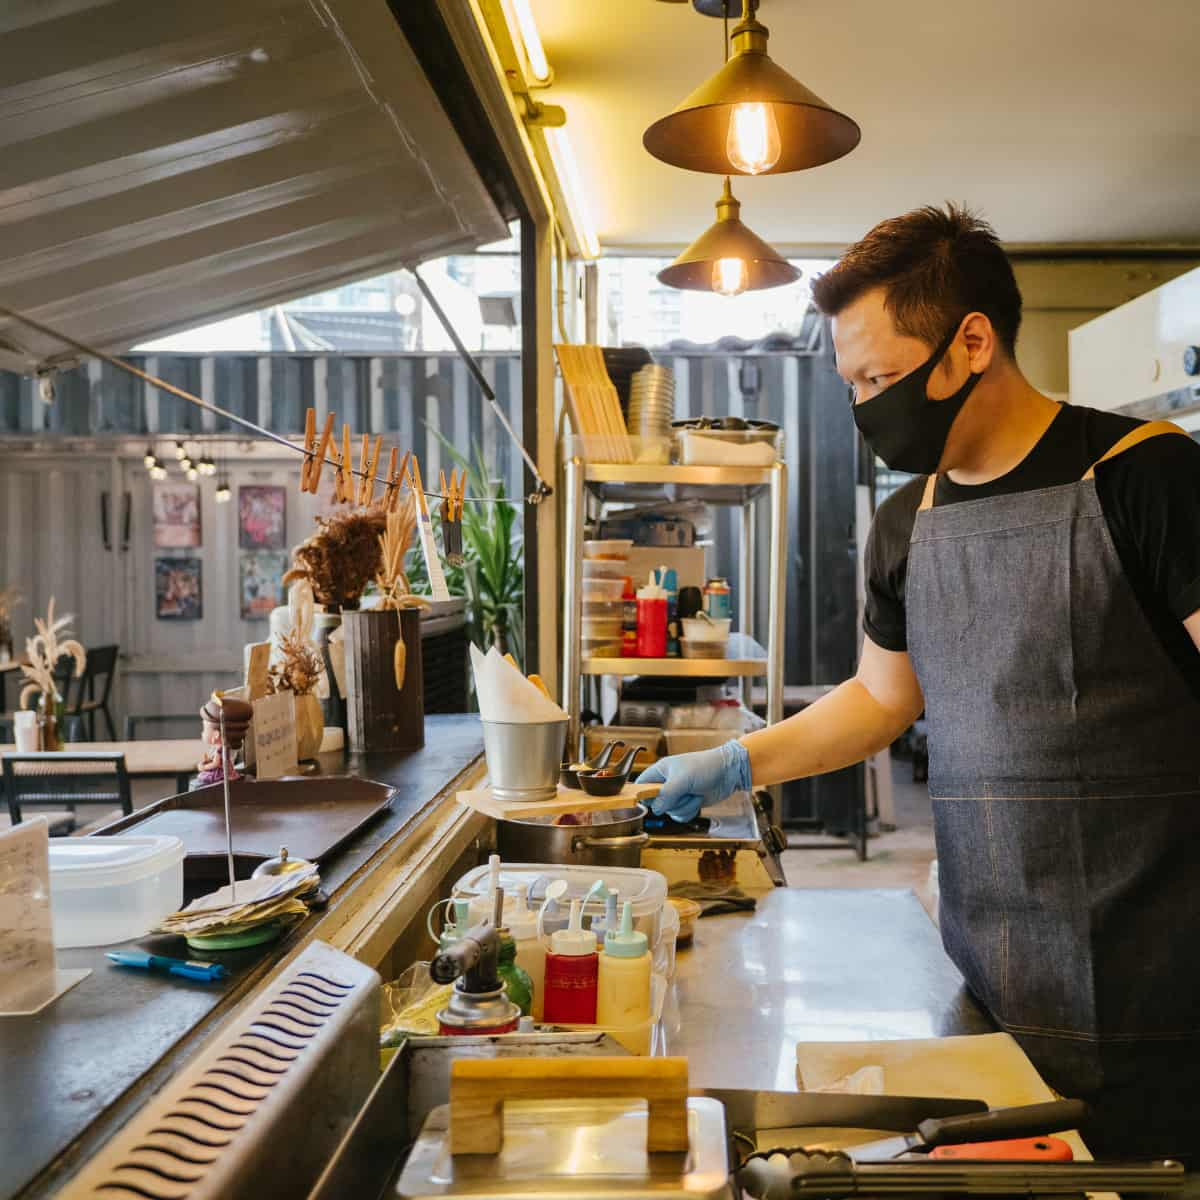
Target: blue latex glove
{"type": "Point", "coordinates": [691, 781]}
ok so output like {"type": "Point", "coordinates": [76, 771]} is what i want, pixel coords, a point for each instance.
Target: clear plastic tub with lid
{"type": "Point", "coordinates": [112, 889]}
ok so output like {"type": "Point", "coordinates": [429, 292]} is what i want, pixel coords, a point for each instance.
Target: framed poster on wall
{"type": "Point", "coordinates": [261, 582]}
{"type": "Point", "coordinates": [262, 517]}
{"type": "Point", "coordinates": [176, 515]}
{"type": "Point", "coordinates": [178, 589]}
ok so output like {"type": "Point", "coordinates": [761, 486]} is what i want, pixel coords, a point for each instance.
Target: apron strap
{"type": "Point", "coordinates": [1133, 438]}
{"type": "Point", "coordinates": [927, 495]}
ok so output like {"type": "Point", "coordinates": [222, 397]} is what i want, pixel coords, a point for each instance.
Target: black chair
{"type": "Point", "coordinates": [64, 779]}
{"type": "Point", "coordinates": [98, 675]}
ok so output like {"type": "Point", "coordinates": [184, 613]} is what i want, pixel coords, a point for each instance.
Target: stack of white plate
{"type": "Point", "coordinates": [651, 402]}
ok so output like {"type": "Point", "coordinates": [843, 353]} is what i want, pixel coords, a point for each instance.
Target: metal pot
{"type": "Point", "coordinates": [608, 839]}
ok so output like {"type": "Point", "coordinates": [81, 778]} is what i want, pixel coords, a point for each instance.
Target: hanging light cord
{"type": "Point", "coordinates": [279, 439]}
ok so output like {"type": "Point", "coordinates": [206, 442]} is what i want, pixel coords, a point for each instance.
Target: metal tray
{"type": "Point", "coordinates": [313, 818]}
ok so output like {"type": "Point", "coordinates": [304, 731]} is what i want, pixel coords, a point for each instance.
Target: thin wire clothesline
{"type": "Point", "coordinates": [216, 409]}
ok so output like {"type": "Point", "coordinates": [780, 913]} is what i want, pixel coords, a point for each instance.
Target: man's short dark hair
{"type": "Point", "coordinates": [935, 266]}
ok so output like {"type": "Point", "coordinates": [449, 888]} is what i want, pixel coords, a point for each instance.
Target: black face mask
{"type": "Point", "coordinates": [903, 426]}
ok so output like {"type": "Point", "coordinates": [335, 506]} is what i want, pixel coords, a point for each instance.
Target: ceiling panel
{"type": "Point", "coordinates": [165, 164]}
{"type": "Point", "coordinates": [1063, 120]}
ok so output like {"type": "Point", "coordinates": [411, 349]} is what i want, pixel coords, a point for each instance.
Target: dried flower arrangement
{"type": "Point", "coordinates": [10, 597]}
{"type": "Point", "coordinates": [52, 641]}
{"type": "Point", "coordinates": [299, 666]}
{"type": "Point", "coordinates": [342, 556]}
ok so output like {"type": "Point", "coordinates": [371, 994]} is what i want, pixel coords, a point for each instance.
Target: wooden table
{"type": "Point", "coordinates": [165, 758]}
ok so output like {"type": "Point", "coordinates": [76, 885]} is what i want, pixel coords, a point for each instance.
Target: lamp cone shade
{"type": "Point", "coordinates": [694, 134]}
{"type": "Point", "coordinates": [728, 238]}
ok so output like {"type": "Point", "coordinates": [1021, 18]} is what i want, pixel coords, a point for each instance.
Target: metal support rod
{"type": "Point", "coordinates": [572, 595]}
{"type": "Point", "coordinates": [228, 810]}
{"type": "Point", "coordinates": [746, 586]}
{"type": "Point", "coordinates": [543, 488]}
{"type": "Point", "coordinates": [775, 609]}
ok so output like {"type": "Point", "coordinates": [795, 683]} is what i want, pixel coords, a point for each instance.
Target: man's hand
{"type": "Point", "coordinates": [691, 781]}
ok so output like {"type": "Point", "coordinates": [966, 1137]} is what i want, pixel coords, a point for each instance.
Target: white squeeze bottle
{"type": "Point", "coordinates": [531, 954]}
{"type": "Point", "coordinates": [623, 987]}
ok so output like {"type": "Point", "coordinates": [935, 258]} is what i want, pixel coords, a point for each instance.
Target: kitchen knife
{"type": "Point", "coordinates": [1027, 1120]}
{"type": "Point", "coordinates": [1034, 1149]}
{"type": "Point", "coordinates": [747, 1109]}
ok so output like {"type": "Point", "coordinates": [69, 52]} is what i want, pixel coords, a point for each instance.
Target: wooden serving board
{"type": "Point", "coordinates": [569, 800]}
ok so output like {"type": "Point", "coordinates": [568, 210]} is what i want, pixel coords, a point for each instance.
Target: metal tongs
{"type": "Point", "coordinates": [905, 1165]}
{"type": "Point", "coordinates": [452, 507]}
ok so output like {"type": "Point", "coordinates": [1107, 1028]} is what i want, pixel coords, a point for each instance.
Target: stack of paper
{"type": "Point", "coordinates": [505, 694]}
{"type": "Point", "coordinates": [256, 901]}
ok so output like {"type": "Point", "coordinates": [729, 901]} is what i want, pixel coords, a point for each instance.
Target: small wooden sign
{"type": "Point", "coordinates": [275, 735]}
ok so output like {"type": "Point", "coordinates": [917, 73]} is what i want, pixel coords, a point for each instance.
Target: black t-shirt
{"type": "Point", "coordinates": [1150, 496]}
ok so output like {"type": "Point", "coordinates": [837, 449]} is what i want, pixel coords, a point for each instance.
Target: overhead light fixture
{"type": "Point", "coordinates": [158, 471]}
{"type": "Point", "coordinates": [535, 53]}
{"type": "Point", "coordinates": [579, 212]}
{"type": "Point", "coordinates": [728, 257]}
{"type": "Point", "coordinates": [224, 494]}
{"type": "Point", "coordinates": [180, 451]}
{"type": "Point", "coordinates": [149, 459]}
{"type": "Point", "coordinates": [751, 117]}
{"type": "Point", "coordinates": [206, 466]}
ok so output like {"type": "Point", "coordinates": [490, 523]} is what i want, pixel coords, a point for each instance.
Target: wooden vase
{"type": "Point", "coordinates": [310, 726]}
{"type": "Point", "coordinates": [380, 716]}
{"type": "Point", "coordinates": [49, 723]}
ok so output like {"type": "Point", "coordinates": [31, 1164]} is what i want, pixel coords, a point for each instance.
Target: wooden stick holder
{"type": "Point", "coordinates": [480, 1086]}
{"type": "Point", "coordinates": [378, 715]}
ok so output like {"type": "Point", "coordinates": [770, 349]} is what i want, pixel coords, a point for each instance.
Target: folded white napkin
{"type": "Point", "coordinates": [505, 694]}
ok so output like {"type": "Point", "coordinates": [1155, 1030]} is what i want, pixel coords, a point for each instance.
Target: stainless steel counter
{"type": "Point", "coordinates": [812, 965]}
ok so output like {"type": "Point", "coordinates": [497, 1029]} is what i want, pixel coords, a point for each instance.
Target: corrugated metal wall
{"type": "Point", "coordinates": [51, 520]}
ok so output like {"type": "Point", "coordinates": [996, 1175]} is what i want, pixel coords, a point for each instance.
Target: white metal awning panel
{"type": "Point", "coordinates": [167, 164]}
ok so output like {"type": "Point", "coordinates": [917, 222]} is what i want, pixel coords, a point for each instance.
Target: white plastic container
{"type": "Point", "coordinates": [647, 890]}
{"type": "Point", "coordinates": [710, 629]}
{"type": "Point", "coordinates": [112, 889]}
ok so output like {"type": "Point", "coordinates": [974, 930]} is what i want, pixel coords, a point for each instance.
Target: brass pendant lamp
{"type": "Point", "coordinates": [751, 117]}
{"type": "Point", "coordinates": [728, 257]}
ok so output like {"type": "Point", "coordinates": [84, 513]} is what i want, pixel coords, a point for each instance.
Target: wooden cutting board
{"type": "Point", "coordinates": [568, 800]}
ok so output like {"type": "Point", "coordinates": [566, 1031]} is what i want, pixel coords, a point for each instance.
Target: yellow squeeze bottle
{"type": "Point", "coordinates": [623, 987]}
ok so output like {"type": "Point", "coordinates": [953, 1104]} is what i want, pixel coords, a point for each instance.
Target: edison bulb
{"type": "Point", "coordinates": [729, 276]}
{"type": "Point", "coordinates": [753, 142]}
{"type": "Point", "coordinates": [149, 459]}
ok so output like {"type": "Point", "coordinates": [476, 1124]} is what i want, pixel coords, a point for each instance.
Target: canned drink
{"type": "Point", "coordinates": [718, 599]}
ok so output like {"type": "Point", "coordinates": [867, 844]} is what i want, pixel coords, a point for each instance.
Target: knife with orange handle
{"type": "Point", "coordinates": [1035, 1149]}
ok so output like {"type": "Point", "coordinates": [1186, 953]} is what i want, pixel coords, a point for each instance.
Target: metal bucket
{"type": "Point", "coordinates": [610, 839]}
{"type": "Point", "coordinates": [524, 759]}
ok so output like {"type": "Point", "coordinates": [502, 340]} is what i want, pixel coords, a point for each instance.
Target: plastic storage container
{"type": "Point", "coordinates": [607, 591]}
{"type": "Point", "coordinates": [645, 890]}
{"type": "Point", "coordinates": [603, 568]}
{"type": "Point", "coordinates": [611, 549]}
{"type": "Point", "coordinates": [602, 628]}
{"type": "Point", "coordinates": [602, 647]}
{"type": "Point", "coordinates": [111, 889]}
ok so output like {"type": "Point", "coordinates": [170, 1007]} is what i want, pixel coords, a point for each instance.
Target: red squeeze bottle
{"type": "Point", "coordinates": [652, 620]}
{"type": "Point", "coordinates": [572, 969]}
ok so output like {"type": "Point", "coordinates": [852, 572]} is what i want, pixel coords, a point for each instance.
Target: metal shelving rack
{"type": "Point", "coordinates": [741, 487]}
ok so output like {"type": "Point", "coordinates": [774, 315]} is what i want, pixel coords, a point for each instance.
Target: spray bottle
{"type": "Point", "coordinates": [571, 968]}
{"type": "Point", "coordinates": [623, 985]}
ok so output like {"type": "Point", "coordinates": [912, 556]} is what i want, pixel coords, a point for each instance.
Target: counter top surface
{"type": "Point", "coordinates": [76, 1062]}
{"type": "Point", "coordinates": [812, 965]}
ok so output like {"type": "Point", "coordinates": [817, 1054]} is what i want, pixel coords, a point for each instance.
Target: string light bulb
{"type": "Point", "coordinates": [180, 451]}
{"type": "Point", "coordinates": [192, 473]}
{"type": "Point", "coordinates": [207, 466]}
{"type": "Point", "coordinates": [158, 471]}
{"type": "Point", "coordinates": [149, 459]}
{"type": "Point", "coordinates": [224, 493]}
{"type": "Point", "coordinates": [753, 143]}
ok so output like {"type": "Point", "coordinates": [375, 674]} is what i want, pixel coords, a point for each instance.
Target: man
{"type": "Point", "coordinates": [1035, 590]}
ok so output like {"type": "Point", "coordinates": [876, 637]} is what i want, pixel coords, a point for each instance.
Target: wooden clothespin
{"type": "Point", "coordinates": [389, 486]}
{"type": "Point", "coordinates": [315, 464]}
{"type": "Point", "coordinates": [401, 479]}
{"type": "Point", "coordinates": [364, 459]}
{"type": "Point", "coordinates": [310, 442]}
{"type": "Point", "coordinates": [345, 469]}
{"type": "Point", "coordinates": [368, 483]}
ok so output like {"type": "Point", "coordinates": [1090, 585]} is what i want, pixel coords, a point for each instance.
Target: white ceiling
{"type": "Point", "coordinates": [1062, 120]}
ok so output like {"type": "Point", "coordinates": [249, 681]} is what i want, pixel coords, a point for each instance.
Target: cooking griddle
{"type": "Point", "coordinates": [729, 825]}
{"type": "Point", "coordinates": [313, 818]}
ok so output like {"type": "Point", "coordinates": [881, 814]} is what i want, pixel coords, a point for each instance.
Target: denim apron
{"type": "Point", "coordinates": [1064, 768]}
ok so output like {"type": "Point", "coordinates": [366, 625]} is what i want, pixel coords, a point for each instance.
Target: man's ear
{"type": "Point", "coordinates": [981, 342]}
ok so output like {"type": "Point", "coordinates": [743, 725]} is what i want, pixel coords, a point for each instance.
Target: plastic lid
{"type": "Point", "coordinates": [626, 942]}
{"type": "Point", "coordinates": [89, 862]}
{"type": "Point", "coordinates": [574, 941]}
